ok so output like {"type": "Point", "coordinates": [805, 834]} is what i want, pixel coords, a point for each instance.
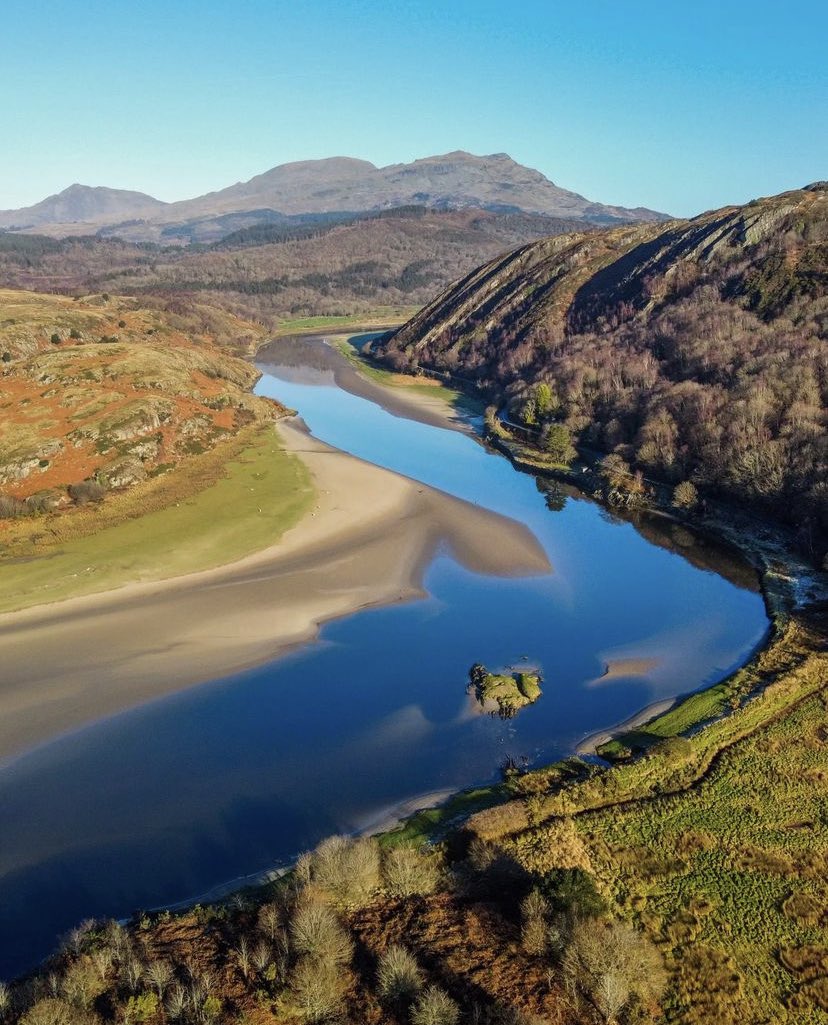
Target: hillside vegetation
{"type": "Point", "coordinates": [693, 351]}
{"type": "Point", "coordinates": [131, 447]}
{"type": "Point", "coordinates": [102, 390]}
{"type": "Point", "coordinates": [273, 271]}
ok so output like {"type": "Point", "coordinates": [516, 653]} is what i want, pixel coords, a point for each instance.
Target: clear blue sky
{"type": "Point", "coordinates": [677, 106]}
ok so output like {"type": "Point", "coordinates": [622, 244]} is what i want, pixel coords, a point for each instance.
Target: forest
{"type": "Point", "coordinates": [270, 271]}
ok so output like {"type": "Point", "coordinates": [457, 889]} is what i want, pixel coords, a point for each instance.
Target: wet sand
{"type": "Point", "coordinates": [367, 541]}
{"type": "Point", "coordinates": [590, 744]}
{"type": "Point", "coordinates": [623, 668]}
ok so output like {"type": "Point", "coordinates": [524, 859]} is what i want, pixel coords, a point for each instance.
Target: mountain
{"type": "Point", "coordinates": [82, 204]}
{"type": "Point", "coordinates": [454, 181]}
{"type": "Point", "coordinates": [692, 350]}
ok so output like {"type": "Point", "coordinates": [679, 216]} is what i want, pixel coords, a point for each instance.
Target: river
{"type": "Point", "coordinates": [163, 802]}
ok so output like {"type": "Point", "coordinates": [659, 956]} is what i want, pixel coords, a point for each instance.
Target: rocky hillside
{"type": "Point", "coordinates": [453, 181]}
{"type": "Point", "coordinates": [102, 393]}
{"type": "Point", "coordinates": [692, 350]}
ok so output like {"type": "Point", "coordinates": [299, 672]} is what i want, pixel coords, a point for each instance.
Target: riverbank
{"type": "Point", "coordinates": [365, 542]}
{"type": "Point", "coordinates": [422, 400]}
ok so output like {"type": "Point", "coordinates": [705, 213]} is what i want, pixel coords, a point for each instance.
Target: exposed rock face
{"type": "Point", "coordinates": [19, 466]}
{"type": "Point", "coordinates": [124, 472]}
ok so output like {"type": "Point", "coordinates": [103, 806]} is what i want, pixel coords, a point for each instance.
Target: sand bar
{"type": "Point", "coordinates": [367, 541]}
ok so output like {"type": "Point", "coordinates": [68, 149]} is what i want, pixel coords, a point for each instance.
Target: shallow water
{"type": "Point", "coordinates": [227, 778]}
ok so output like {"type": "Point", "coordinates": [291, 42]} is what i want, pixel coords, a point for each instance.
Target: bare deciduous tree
{"type": "Point", "coordinates": [398, 975]}
{"type": "Point", "coordinates": [406, 870]}
{"type": "Point", "coordinates": [159, 974]}
{"type": "Point", "coordinates": [609, 961]}
{"type": "Point", "coordinates": [316, 932]}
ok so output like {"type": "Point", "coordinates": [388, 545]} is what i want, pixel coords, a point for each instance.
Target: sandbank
{"type": "Point", "coordinates": [367, 541]}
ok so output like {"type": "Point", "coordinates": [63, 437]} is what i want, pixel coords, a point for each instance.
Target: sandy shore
{"type": "Point", "coordinates": [590, 744]}
{"type": "Point", "coordinates": [366, 542]}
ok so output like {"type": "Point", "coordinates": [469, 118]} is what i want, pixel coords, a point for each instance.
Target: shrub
{"type": "Point", "coordinates": [685, 495]}
{"type": "Point", "coordinates": [533, 910]}
{"type": "Point", "coordinates": [399, 978]}
{"type": "Point", "coordinates": [86, 491]}
{"type": "Point", "coordinates": [141, 1007]}
{"type": "Point", "coordinates": [55, 339]}
{"type": "Point", "coordinates": [75, 335]}
{"type": "Point", "coordinates": [317, 933]}
{"type": "Point", "coordinates": [572, 891]}
{"type": "Point", "coordinates": [6, 357]}
{"type": "Point", "coordinates": [210, 1009]}
{"type": "Point", "coordinates": [406, 870]}
{"type": "Point", "coordinates": [435, 1007]}
{"type": "Point", "coordinates": [12, 508]}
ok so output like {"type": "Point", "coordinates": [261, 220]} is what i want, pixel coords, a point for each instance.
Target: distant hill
{"type": "Point", "coordinates": [80, 204]}
{"type": "Point", "coordinates": [692, 350]}
{"type": "Point", "coordinates": [288, 267]}
{"type": "Point", "coordinates": [454, 181]}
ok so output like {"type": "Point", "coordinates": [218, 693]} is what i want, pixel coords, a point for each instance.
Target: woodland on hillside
{"type": "Point", "coordinates": [692, 352]}
{"type": "Point", "coordinates": [274, 271]}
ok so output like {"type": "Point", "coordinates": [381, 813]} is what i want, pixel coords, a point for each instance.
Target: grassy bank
{"type": "Point", "coordinates": [715, 845]}
{"type": "Point", "coordinates": [423, 387]}
{"type": "Point", "coordinates": [236, 499]}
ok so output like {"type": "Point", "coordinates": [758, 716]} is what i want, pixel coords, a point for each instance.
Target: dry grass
{"type": "Point", "coordinates": [716, 847]}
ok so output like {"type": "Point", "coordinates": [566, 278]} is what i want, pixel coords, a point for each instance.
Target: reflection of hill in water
{"type": "Point", "coordinates": [702, 552]}
{"type": "Point", "coordinates": [314, 362]}
{"type": "Point", "coordinates": [298, 351]}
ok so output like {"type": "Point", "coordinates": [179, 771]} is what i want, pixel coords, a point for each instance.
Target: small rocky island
{"type": "Point", "coordinates": [503, 694]}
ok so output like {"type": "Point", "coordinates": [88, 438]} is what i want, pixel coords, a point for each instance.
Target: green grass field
{"type": "Point", "coordinates": [382, 316]}
{"type": "Point", "coordinates": [250, 502]}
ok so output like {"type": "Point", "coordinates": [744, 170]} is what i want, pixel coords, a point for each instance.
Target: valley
{"type": "Point", "coordinates": [272, 609]}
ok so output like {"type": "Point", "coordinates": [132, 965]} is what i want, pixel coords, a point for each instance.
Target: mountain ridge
{"type": "Point", "coordinates": [456, 180]}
